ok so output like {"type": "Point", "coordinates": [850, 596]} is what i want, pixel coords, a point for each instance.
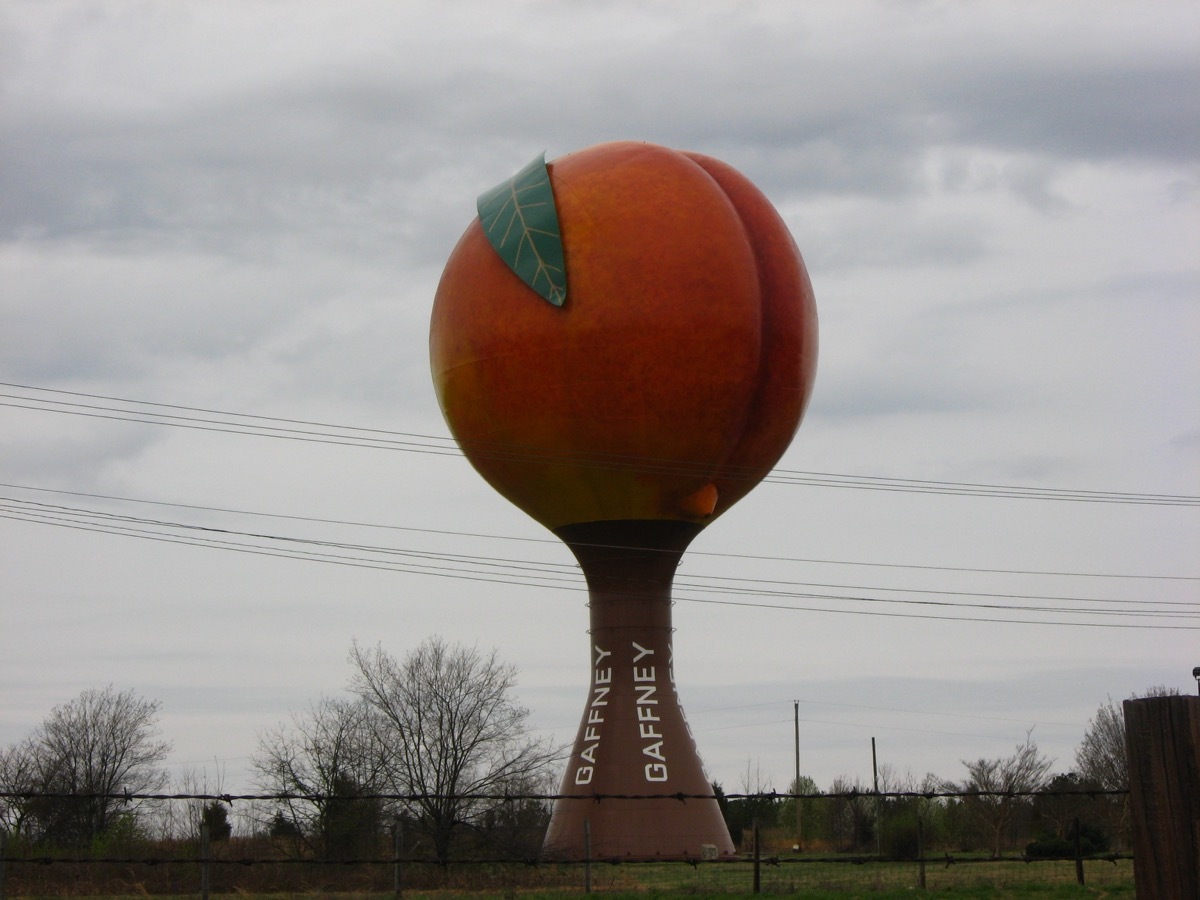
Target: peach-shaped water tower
{"type": "Point", "coordinates": [623, 345]}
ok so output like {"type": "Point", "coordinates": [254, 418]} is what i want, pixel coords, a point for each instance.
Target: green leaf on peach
{"type": "Point", "coordinates": [520, 221]}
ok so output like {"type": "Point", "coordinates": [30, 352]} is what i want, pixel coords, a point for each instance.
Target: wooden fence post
{"type": "Point", "coordinates": [3, 853]}
{"type": "Point", "coordinates": [204, 852]}
{"type": "Point", "coordinates": [757, 859]}
{"type": "Point", "coordinates": [1162, 738]}
{"type": "Point", "coordinates": [920, 851]}
{"type": "Point", "coordinates": [1078, 852]}
{"type": "Point", "coordinates": [587, 856]}
{"type": "Point", "coordinates": [397, 848]}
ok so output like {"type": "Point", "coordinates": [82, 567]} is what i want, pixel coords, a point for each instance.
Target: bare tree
{"type": "Point", "coordinates": [1101, 756]}
{"type": "Point", "coordinates": [328, 761]}
{"type": "Point", "coordinates": [902, 820]}
{"type": "Point", "coordinates": [1001, 785]}
{"type": "Point", "coordinates": [851, 817]}
{"type": "Point", "coordinates": [1102, 760]}
{"type": "Point", "coordinates": [742, 813]}
{"type": "Point", "coordinates": [182, 818]}
{"type": "Point", "coordinates": [102, 743]}
{"type": "Point", "coordinates": [517, 828]}
{"type": "Point", "coordinates": [17, 778]}
{"type": "Point", "coordinates": [448, 726]}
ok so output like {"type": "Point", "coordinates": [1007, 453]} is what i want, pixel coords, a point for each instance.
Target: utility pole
{"type": "Point", "coordinates": [796, 783]}
{"type": "Point", "coordinates": [878, 806]}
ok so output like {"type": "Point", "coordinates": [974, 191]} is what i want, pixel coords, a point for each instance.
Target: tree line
{"type": "Point", "coordinates": [442, 725]}
{"type": "Point", "coordinates": [995, 811]}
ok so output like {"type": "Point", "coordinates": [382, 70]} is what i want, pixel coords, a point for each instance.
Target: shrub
{"type": "Point", "coordinates": [1051, 847]}
{"type": "Point", "coordinates": [899, 836]}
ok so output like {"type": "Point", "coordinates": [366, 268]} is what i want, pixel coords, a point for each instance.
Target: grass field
{"type": "Point", "coordinates": [978, 892]}
{"type": "Point", "coordinates": [964, 878]}
{"type": "Point", "coordinates": [968, 878]}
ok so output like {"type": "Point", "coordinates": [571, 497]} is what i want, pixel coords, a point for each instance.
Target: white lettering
{"type": "Point", "coordinates": [645, 685]}
{"type": "Point", "coordinates": [594, 719]}
{"type": "Point", "coordinates": [654, 750]}
{"type": "Point", "coordinates": [646, 730]}
{"type": "Point", "coordinates": [642, 651]}
{"type": "Point", "coordinates": [646, 674]}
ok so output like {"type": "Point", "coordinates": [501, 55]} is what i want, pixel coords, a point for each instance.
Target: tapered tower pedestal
{"type": "Point", "coordinates": [633, 739]}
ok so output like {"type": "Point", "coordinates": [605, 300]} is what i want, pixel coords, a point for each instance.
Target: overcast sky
{"type": "Point", "coordinates": [242, 209]}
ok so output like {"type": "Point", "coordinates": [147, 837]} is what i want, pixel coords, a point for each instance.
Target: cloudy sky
{"type": "Point", "coordinates": [221, 228]}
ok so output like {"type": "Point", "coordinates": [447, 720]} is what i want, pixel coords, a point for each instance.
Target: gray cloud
{"type": "Point", "coordinates": [212, 204]}
{"type": "Point", "coordinates": [352, 149]}
{"type": "Point", "coordinates": [1092, 112]}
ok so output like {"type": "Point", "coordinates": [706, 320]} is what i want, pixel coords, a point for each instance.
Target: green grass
{"type": "Point", "coordinates": [843, 879]}
{"type": "Point", "coordinates": [979, 892]}
{"type": "Point", "coordinates": [649, 881]}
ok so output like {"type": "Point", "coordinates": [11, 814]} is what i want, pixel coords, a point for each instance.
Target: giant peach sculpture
{"type": "Point", "coordinates": [623, 345]}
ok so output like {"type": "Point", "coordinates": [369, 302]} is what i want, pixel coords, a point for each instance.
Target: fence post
{"type": "Point", "coordinates": [1162, 739]}
{"type": "Point", "coordinates": [1078, 853]}
{"type": "Point", "coordinates": [757, 859]}
{"type": "Point", "coordinates": [878, 802]}
{"type": "Point", "coordinates": [587, 856]}
{"type": "Point", "coordinates": [920, 853]}
{"type": "Point", "coordinates": [796, 783]}
{"type": "Point", "coordinates": [397, 847]}
{"type": "Point", "coordinates": [3, 853]}
{"type": "Point", "coordinates": [204, 848]}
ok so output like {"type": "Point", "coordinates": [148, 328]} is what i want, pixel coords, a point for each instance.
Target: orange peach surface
{"type": "Point", "coordinates": [677, 371]}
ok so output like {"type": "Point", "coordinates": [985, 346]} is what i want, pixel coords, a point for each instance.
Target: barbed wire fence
{"type": "Point", "coordinates": [743, 871]}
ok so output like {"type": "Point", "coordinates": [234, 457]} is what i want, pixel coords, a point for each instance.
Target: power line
{"type": "Point", "coordinates": [557, 543]}
{"type": "Point", "coordinates": [307, 430]}
{"type": "Point", "coordinates": [529, 573]}
{"type": "Point", "coordinates": [333, 434]}
{"type": "Point", "coordinates": [776, 704]}
{"type": "Point", "coordinates": [533, 574]}
{"type": "Point", "coordinates": [736, 588]}
{"type": "Point", "coordinates": [901, 615]}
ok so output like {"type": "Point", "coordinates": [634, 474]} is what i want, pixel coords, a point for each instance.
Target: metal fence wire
{"type": "Point", "coordinates": [895, 847]}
